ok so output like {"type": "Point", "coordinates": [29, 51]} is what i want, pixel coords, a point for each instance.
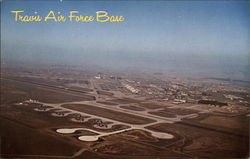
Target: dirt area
{"type": "Point", "coordinates": [235, 124]}
{"type": "Point", "coordinates": [84, 132]}
{"type": "Point", "coordinates": [203, 142]}
{"type": "Point", "coordinates": [138, 135]}
{"type": "Point", "coordinates": [27, 141]}
{"type": "Point", "coordinates": [106, 103]}
{"type": "Point", "coordinates": [163, 114]}
{"type": "Point", "coordinates": [222, 121]}
{"type": "Point", "coordinates": [34, 92]}
{"type": "Point", "coordinates": [172, 112]}
{"type": "Point", "coordinates": [105, 93]}
{"type": "Point", "coordinates": [119, 116]}
{"type": "Point", "coordinates": [124, 101]}
{"type": "Point", "coordinates": [131, 107]}
{"type": "Point", "coordinates": [179, 111]}
{"type": "Point", "coordinates": [146, 138]}
{"type": "Point", "coordinates": [119, 146]}
{"type": "Point", "coordinates": [81, 89]}
{"type": "Point", "coordinates": [151, 105]}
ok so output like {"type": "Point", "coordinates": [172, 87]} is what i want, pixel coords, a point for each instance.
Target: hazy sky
{"type": "Point", "coordinates": [154, 34]}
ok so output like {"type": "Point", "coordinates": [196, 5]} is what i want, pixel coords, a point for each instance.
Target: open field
{"type": "Point", "coordinates": [105, 93]}
{"type": "Point", "coordinates": [131, 107]}
{"type": "Point", "coordinates": [124, 101]}
{"type": "Point", "coordinates": [107, 103]}
{"type": "Point", "coordinates": [119, 116]}
{"type": "Point", "coordinates": [236, 124]}
{"type": "Point", "coordinates": [202, 143]}
{"type": "Point", "coordinates": [223, 122]}
{"type": "Point", "coordinates": [119, 146]}
{"type": "Point", "coordinates": [163, 114]}
{"type": "Point", "coordinates": [27, 141]}
{"type": "Point", "coordinates": [151, 105]}
{"type": "Point", "coordinates": [81, 89]}
{"type": "Point", "coordinates": [179, 111]}
{"type": "Point", "coordinates": [15, 91]}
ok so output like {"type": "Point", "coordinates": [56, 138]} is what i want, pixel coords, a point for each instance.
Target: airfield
{"type": "Point", "coordinates": [42, 118]}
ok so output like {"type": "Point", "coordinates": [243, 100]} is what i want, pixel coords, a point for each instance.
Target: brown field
{"type": "Point", "coordinates": [138, 144]}
{"type": "Point", "coordinates": [105, 93]}
{"type": "Point", "coordinates": [106, 103]}
{"type": "Point", "coordinates": [38, 80]}
{"type": "Point", "coordinates": [83, 132]}
{"type": "Point", "coordinates": [125, 101]}
{"type": "Point", "coordinates": [235, 124]}
{"type": "Point", "coordinates": [150, 105]}
{"type": "Point", "coordinates": [81, 89]}
{"type": "Point", "coordinates": [27, 141]}
{"type": "Point", "coordinates": [179, 111]}
{"type": "Point", "coordinates": [203, 143]}
{"type": "Point", "coordinates": [119, 116]}
{"type": "Point", "coordinates": [163, 114]}
{"type": "Point", "coordinates": [131, 107]}
{"type": "Point", "coordinates": [147, 139]}
{"type": "Point", "coordinates": [24, 91]}
{"type": "Point", "coordinates": [222, 121]}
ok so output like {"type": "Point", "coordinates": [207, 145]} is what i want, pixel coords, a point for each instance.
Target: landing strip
{"type": "Point", "coordinates": [68, 111]}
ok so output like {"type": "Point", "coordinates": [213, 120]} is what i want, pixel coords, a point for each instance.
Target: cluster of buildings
{"type": "Point", "coordinates": [174, 90]}
{"type": "Point", "coordinates": [131, 89]}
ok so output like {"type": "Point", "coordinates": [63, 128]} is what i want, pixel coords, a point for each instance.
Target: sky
{"type": "Point", "coordinates": [187, 36]}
